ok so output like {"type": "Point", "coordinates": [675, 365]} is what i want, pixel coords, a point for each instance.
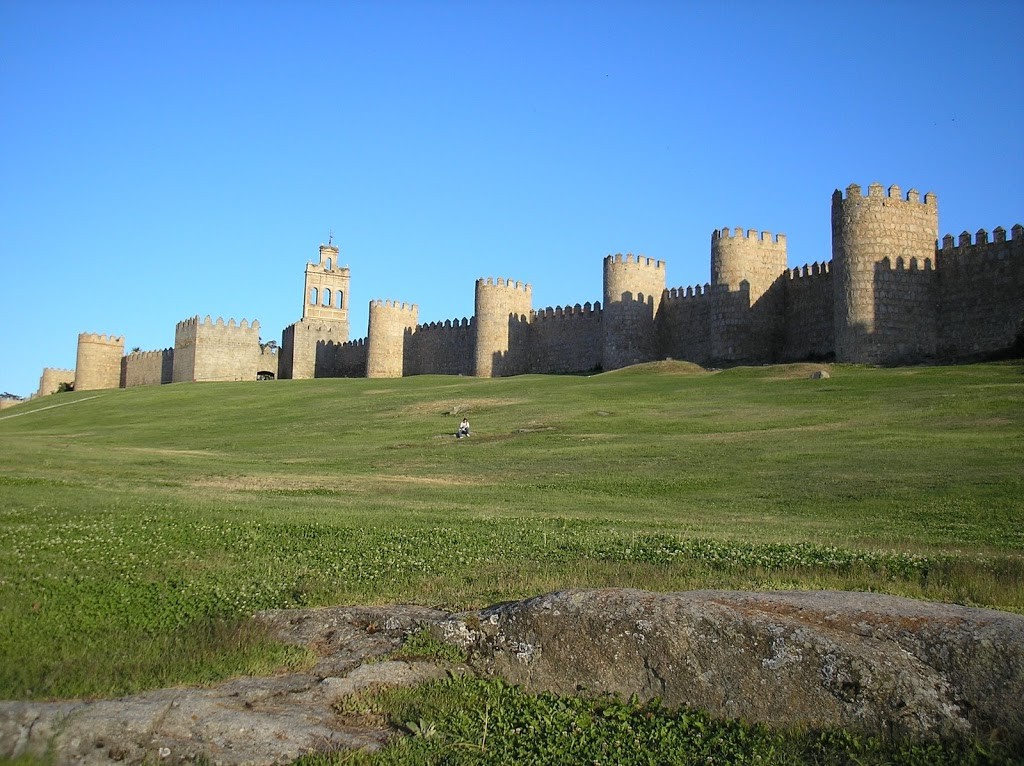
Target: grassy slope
{"type": "Point", "coordinates": [137, 527]}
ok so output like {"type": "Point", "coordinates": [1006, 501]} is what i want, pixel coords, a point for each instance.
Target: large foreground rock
{"type": "Point", "coordinates": [880, 664]}
{"type": "Point", "coordinates": [873, 663]}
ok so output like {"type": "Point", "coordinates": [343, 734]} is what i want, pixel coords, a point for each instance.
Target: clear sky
{"type": "Point", "coordinates": [164, 159]}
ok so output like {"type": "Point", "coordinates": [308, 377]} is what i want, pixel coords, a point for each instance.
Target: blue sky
{"type": "Point", "coordinates": [166, 159]}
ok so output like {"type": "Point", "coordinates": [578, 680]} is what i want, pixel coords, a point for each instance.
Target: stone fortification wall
{"type": "Point", "coordinates": [757, 258]}
{"type": "Point", "coordinates": [981, 293]}
{"type": "Point", "coordinates": [810, 313]}
{"type": "Point", "coordinates": [633, 288]}
{"type": "Point", "coordinates": [308, 349]}
{"type": "Point", "coordinates": [98, 364]}
{"type": "Point", "coordinates": [442, 348]}
{"type": "Point", "coordinates": [268, 362]}
{"type": "Point", "coordinates": [51, 379]}
{"type": "Point", "coordinates": [566, 339]}
{"type": "Point", "coordinates": [888, 296]}
{"type": "Point", "coordinates": [205, 350]}
{"type": "Point", "coordinates": [754, 262]}
{"type": "Point", "coordinates": [386, 352]}
{"type": "Point", "coordinates": [905, 310]}
{"type": "Point", "coordinates": [350, 358]}
{"type": "Point", "coordinates": [865, 231]}
{"type": "Point", "coordinates": [502, 327]}
{"type": "Point", "coordinates": [684, 323]}
{"type": "Point", "coordinates": [736, 336]}
{"type": "Point", "coordinates": [148, 368]}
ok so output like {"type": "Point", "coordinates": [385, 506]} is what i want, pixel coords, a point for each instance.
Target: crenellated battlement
{"type": "Point", "coordinates": [905, 264]}
{"type": "Point", "coordinates": [447, 324]}
{"type": "Point", "coordinates": [105, 340]}
{"type": "Point", "coordinates": [634, 260]}
{"type": "Point", "coordinates": [399, 306]}
{"type": "Point", "coordinates": [508, 284]}
{"type": "Point", "coordinates": [762, 238]}
{"type": "Point", "coordinates": [981, 237]}
{"type": "Point", "coordinates": [809, 271]}
{"type": "Point", "coordinates": [692, 291]}
{"type": "Point", "coordinates": [577, 311]}
{"type": "Point", "coordinates": [143, 356]}
{"type": "Point", "coordinates": [209, 322]}
{"type": "Point", "coordinates": [878, 192]}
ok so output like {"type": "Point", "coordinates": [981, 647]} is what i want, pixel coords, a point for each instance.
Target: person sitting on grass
{"type": "Point", "coordinates": [463, 429]}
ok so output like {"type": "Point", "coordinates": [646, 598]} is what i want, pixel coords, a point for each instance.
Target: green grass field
{"type": "Point", "coordinates": [139, 528]}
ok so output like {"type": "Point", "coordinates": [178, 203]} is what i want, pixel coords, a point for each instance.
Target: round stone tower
{"type": "Point", "coordinates": [870, 235]}
{"type": "Point", "coordinates": [502, 320]}
{"type": "Point", "coordinates": [755, 257]}
{"type": "Point", "coordinates": [633, 288]}
{"type": "Point", "coordinates": [99, 361]}
{"type": "Point", "coordinates": [385, 341]}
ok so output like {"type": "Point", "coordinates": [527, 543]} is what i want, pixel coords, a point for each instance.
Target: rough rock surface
{"type": "Point", "coordinates": [875, 663]}
{"type": "Point", "coordinates": [246, 720]}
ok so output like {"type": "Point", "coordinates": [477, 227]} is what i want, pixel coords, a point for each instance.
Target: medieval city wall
{"type": "Point", "coordinates": [905, 310]}
{"type": "Point", "coordinates": [52, 378]}
{"type": "Point", "coordinates": [205, 350]}
{"type": "Point", "coordinates": [98, 363]}
{"type": "Point", "coordinates": [148, 368]}
{"type": "Point", "coordinates": [684, 323]}
{"type": "Point", "coordinates": [502, 313]}
{"type": "Point", "coordinates": [565, 339]}
{"type": "Point", "coordinates": [810, 313]}
{"type": "Point", "coordinates": [386, 353]}
{"type": "Point", "coordinates": [866, 229]}
{"type": "Point", "coordinates": [890, 295]}
{"type": "Point", "coordinates": [349, 357]}
{"type": "Point", "coordinates": [633, 289]}
{"type": "Point", "coordinates": [307, 349]}
{"type": "Point", "coordinates": [980, 293]}
{"type": "Point", "coordinates": [442, 348]}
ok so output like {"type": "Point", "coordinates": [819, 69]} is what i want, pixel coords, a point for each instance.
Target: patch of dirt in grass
{"type": "Point", "coordinates": [313, 483]}
{"type": "Point", "coordinates": [460, 406]}
{"type": "Point", "coordinates": [162, 451]}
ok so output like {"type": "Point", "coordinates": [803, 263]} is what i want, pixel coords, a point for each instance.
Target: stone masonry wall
{"type": "Point", "coordinates": [684, 324]}
{"type": "Point", "coordinates": [865, 231]}
{"type": "Point", "coordinates": [633, 289]}
{"type": "Point", "coordinates": [216, 351]}
{"type": "Point", "coordinates": [502, 307]}
{"type": "Point", "coordinates": [148, 368]}
{"type": "Point", "coordinates": [442, 348]}
{"type": "Point", "coordinates": [52, 377]}
{"type": "Point", "coordinates": [809, 322]}
{"type": "Point", "coordinates": [905, 311]}
{"type": "Point", "coordinates": [565, 340]}
{"type": "Point", "coordinates": [307, 349]}
{"type": "Point", "coordinates": [350, 358]}
{"type": "Point", "coordinates": [980, 293]}
{"type": "Point", "coordinates": [98, 364]}
{"type": "Point", "coordinates": [386, 355]}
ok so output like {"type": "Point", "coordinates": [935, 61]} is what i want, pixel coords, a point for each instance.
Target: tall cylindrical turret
{"type": "Point", "coordinates": [870, 235]}
{"type": "Point", "coordinates": [502, 320]}
{"type": "Point", "coordinates": [99, 361]}
{"type": "Point", "coordinates": [633, 288]}
{"type": "Point", "coordinates": [385, 337]}
{"type": "Point", "coordinates": [755, 257]}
